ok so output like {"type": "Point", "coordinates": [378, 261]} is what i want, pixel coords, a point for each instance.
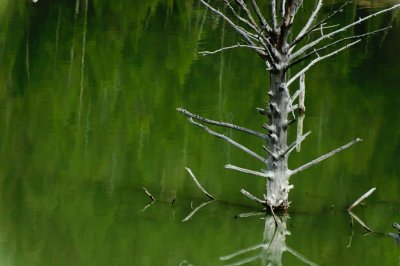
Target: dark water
{"type": "Point", "coordinates": [88, 92]}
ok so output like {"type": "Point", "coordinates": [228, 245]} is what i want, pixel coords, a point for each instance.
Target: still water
{"type": "Point", "coordinates": [88, 91]}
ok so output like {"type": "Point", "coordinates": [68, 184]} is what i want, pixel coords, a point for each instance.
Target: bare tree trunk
{"type": "Point", "coordinates": [271, 40]}
{"type": "Point", "coordinates": [278, 105]}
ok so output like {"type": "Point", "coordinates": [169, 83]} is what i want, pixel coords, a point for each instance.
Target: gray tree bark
{"type": "Point", "coordinates": [274, 44]}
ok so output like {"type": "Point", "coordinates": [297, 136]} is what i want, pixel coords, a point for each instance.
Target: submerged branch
{"type": "Point", "coordinates": [361, 222]}
{"type": "Point", "coordinates": [363, 197]}
{"type": "Point", "coordinates": [247, 171]}
{"type": "Point", "coordinates": [326, 156]}
{"type": "Point", "coordinates": [231, 141]}
{"type": "Point", "coordinates": [198, 183]}
{"type": "Point", "coordinates": [152, 198]}
{"type": "Point", "coordinates": [190, 215]}
{"type": "Point", "coordinates": [252, 197]}
{"type": "Point", "coordinates": [221, 124]}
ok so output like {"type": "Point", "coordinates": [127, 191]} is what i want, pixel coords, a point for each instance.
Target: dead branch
{"type": "Point", "coordinates": [247, 171]}
{"type": "Point", "coordinates": [363, 197]}
{"type": "Point", "coordinates": [229, 140]}
{"type": "Point", "coordinates": [198, 183]}
{"type": "Point", "coordinates": [252, 197]}
{"type": "Point", "coordinates": [272, 10]}
{"type": "Point", "coordinates": [152, 198]}
{"type": "Point", "coordinates": [310, 20]}
{"type": "Point", "coordinates": [221, 124]}
{"type": "Point", "coordinates": [234, 26]}
{"type": "Point", "coordinates": [261, 18]}
{"type": "Point", "coordinates": [295, 144]}
{"type": "Point", "coordinates": [245, 21]}
{"type": "Point", "coordinates": [301, 36]}
{"type": "Point", "coordinates": [361, 222]}
{"type": "Point", "coordinates": [302, 95]}
{"type": "Point", "coordinates": [320, 58]}
{"type": "Point", "coordinates": [316, 51]}
{"type": "Point", "coordinates": [323, 157]}
{"type": "Point", "coordinates": [329, 35]}
{"type": "Point", "coordinates": [190, 215]}
{"type": "Point", "coordinates": [230, 47]}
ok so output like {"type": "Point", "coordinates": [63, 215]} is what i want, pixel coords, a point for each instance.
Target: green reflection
{"type": "Point", "coordinates": [87, 106]}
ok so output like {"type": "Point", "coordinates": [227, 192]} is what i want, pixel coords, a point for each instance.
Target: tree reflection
{"type": "Point", "coordinates": [272, 247]}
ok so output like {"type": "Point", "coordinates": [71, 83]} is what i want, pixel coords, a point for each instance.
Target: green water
{"type": "Point", "coordinates": [87, 117]}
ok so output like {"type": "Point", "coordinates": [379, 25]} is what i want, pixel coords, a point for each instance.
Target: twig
{"type": "Point", "coordinates": [238, 29]}
{"type": "Point", "coordinates": [310, 20]}
{"type": "Point", "coordinates": [316, 51]}
{"type": "Point", "coordinates": [195, 210]}
{"type": "Point", "coordinates": [247, 171]}
{"type": "Point", "coordinates": [221, 124]}
{"type": "Point", "coordinates": [316, 60]}
{"type": "Point", "coordinates": [329, 35]}
{"type": "Point", "coordinates": [198, 183]}
{"type": "Point", "coordinates": [231, 141]}
{"type": "Point", "coordinates": [230, 47]}
{"type": "Point", "coordinates": [252, 197]}
{"type": "Point", "coordinates": [363, 197]}
{"type": "Point", "coordinates": [261, 17]}
{"type": "Point", "coordinates": [152, 198]}
{"type": "Point", "coordinates": [301, 37]}
{"type": "Point", "coordinates": [360, 221]}
{"type": "Point", "coordinates": [323, 157]}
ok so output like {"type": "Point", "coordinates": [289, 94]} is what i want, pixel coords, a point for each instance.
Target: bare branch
{"type": "Point", "coordinates": [234, 143]}
{"type": "Point", "coordinates": [323, 157]}
{"type": "Point", "coordinates": [273, 155]}
{"type": "Point", "coordinates": [221, 124]}
{"type": "Point", "coordinates": [361, 222]}
{"type": "Point", "coordinates": [238, 29]}
{"type": "Point", "coordinates": [152, 198]}
{"type": "Point", "coordinates": [302, 95]}
{"type": "Point", "coordinates": [316, 51]}
{"type": "Point", "coordinates": [301, 37]}
{"type": "Point", "coordinates": [252, 197]}
{"type": "Point", "coordinates": [198, 183]}
{"type": "Point", "coordinates": [294, 144]}
{"type": "Point", "coordinates": [263, 21]}
{"type": "Point", "coordinates": [195, 210]}
{"type": "Point", "coordinates": [231, 47]}
{"type": "Point", "coordinates": [310, 20]}
{"type": "Point", "coordinates": [315, 42]}
{"type": "Point", "coordinates": [272, 10]}
{"type": "Point", "coordinates": [316, 60]}
{"type": "Point", "coordinates": [247, 171]}
{"type": "Point", "coordinates": [245, 21]}
{"type": "Point", "coordinates": [363, 197]}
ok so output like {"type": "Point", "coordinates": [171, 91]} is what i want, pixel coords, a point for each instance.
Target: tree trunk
{"type": "Point", "coordinates": [277, 187]}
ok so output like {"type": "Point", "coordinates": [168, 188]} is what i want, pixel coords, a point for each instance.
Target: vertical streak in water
{"type": "Point", "coordinates": [27, 64]}
{"type": "Point", "coordinates": [76, 8]}
{"type": "Point", "coordinates": [221, 71]}
{"type": "Point", "coordinates": [58, 30]}
{"type": "Point", "coordinates": [83, 62]}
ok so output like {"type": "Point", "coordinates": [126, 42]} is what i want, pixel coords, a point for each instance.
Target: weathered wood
{"type": "Point", "coordinates": [198, 183]}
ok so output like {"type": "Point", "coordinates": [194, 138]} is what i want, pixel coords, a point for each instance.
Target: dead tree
{"type": "Point", "coordinates": [272, 39]}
